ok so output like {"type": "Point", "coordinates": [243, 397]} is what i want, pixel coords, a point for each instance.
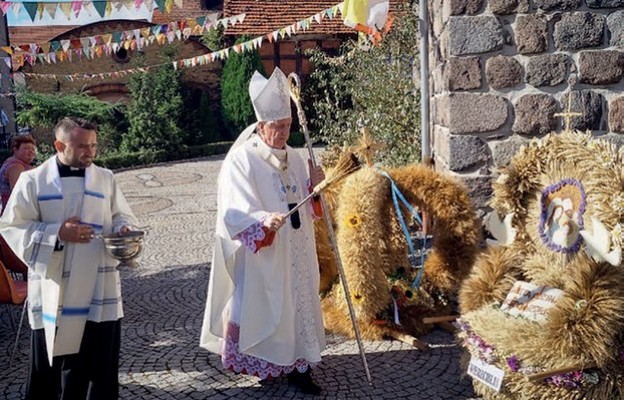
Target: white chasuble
{"type": "Point", "coordinates": [80, 282]}
{"type": "Point", "coordinates": [272, 294]}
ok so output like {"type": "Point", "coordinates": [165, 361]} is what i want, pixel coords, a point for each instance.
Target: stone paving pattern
{"type": "Point", "coordinates": [164, 303]}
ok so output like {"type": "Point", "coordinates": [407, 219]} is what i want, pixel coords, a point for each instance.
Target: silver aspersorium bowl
{"type": "Point", "coordinates": [124, 248]}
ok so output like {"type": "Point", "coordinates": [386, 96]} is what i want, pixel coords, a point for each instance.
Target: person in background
{"type": "Point", "coordinates": [74, 297]}
{"type": "Point", "coordinates": [24, 152]}
{"type": "Point", "coordinates": [263, 313]}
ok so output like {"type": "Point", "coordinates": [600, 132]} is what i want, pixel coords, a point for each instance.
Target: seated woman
{"type": "Point", "coordinates": [24, 152]}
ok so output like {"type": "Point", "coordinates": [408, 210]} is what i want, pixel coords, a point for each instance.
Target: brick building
{"type": "Point", "coordinates": [204, 78]}
{"type": "Point", "coordinates": [288, 53]}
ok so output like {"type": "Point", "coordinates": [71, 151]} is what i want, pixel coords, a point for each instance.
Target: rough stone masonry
{"type": "Point", "coordinates": [501, 69]}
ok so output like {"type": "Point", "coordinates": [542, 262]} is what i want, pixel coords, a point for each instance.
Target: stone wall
{"type": "Point", "coordinates": [501, 69]}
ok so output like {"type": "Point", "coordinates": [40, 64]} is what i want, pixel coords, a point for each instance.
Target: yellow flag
{"type": "Point", "coordinates": [370, 13]}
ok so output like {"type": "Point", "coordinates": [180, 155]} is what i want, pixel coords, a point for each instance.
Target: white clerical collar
{"type": "Point", "coordinates": [280, 156]}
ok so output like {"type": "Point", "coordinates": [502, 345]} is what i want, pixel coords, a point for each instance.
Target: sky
{"type": "Point", "coordinates": [87, 15]}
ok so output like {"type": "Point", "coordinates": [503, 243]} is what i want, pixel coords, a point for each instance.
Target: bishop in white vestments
{"type": "Point", "coordinates": [74, 299]}
{"type": "Point", "coordinates": [263, 313]}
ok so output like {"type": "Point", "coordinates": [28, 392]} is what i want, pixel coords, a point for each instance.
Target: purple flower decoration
{"type": "Point", "coordinates": [513, 363]}
{"type": "Point", "coordinates": [562, 207]}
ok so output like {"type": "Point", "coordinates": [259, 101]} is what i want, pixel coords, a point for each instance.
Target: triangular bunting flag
{"type": "Point", "coordinates": [212, 18]}
{"type": "Point", "coordinates": [87, 7]}
{"type": "Point", "coordinates": [7, 61]}
{"type": "Point", "coordinates": [5, 5]}
{"type": "Point", "coordinates": [161, 5]}
{"type": "Point", "coordinates": [178, 3]}
{"type": "Point", "coordinates": [117, 37]}
{"type": "Point", "coordinates": [17, 8]}
{"type": "Point", "coordinates": [31, 9]}
{"type": "Point", "coordinates": [76, 7]}
{"type": "Point", "coordinates": [128, 4]}
{"type": "Point", "coordinates": [85, 42]}
{"type": "Point", "coordinates": [100, 7]}
{"type": "Point", "coordinates": [66, 9]}
{"type": "Point", "coordinates": [51, 9]}
{"type": "Point", "coordinates": [168, 5]}
{"type": "Point", "coordinates": [40, 10]}
{"type": "Point", "coordinates": [137, 4]}
{"type": "Point", "coordinates": [7, 49]}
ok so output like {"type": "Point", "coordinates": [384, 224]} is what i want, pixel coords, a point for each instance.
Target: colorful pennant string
{"type": "Point", "coordinates": [253, 44]}
{"type": "Point", "coordinates": [35, 9]}
{"type": "Point", "coordinates": [106, 44]}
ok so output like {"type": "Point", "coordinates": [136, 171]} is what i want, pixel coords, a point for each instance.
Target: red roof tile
{"type": "Point", "coordinates": [265, 16]}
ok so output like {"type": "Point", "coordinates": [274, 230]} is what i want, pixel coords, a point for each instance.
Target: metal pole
{"type": "Point", "coordinates": [423, 26]}
{"type": "Point", "coordinates": [295, 94]}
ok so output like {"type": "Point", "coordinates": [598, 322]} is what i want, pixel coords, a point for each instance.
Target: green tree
{"type": "Point", "coordinates": [42, 111]}
{"type": "Point", "coordinates": [213, 38]}
{"type": "Point", "coordinates": [198, 119]}
{"type": "Point", "coordinates": [236, 107]}
{"type": "Point", "coordinates": [371, 86]}
{"type": "Point", "coordinates": [155, 109]}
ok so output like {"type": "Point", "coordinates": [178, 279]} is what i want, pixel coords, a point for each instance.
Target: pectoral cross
{"type": "Point", "coordinates": [568, 114]}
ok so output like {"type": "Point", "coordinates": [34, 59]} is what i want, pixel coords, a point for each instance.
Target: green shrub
{"type": "Point", "coordinates": [236, 107]}
{"type": "Point", "coordinates": [296, 139]}
{"type": "Point", "coordinates": [42, 111]}
{"type": "Point", "coordinates": [146, 157]}
{"type": "Point", "coordinates": [155, 109]}
{"type": "Point", "coordinates": [371, 88]}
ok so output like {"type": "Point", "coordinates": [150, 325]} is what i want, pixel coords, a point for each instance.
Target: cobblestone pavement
{"type": "Point", "coordinates": [164, 303]}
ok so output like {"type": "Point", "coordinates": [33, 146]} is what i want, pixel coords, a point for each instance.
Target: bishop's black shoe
{"type": "Point", "coordinates": [304, 381]}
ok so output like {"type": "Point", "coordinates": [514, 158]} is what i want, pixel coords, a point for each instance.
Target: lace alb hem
{"type": "Point", "coordinates": [233, 360]}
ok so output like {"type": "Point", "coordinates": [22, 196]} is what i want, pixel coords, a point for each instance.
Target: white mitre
{"type": "Point", "coordinates": [270, 97]}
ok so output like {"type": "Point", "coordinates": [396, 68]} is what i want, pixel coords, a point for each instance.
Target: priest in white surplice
{"type": "Point", "coordinates": [74, 298]}
{"type": "Point", "coordinates": [263, 311]}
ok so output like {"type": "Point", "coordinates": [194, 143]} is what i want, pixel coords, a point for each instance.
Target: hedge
{"type": "Point", "coordinates": [140, 158]}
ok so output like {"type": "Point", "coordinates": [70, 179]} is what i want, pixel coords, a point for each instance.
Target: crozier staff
{"type": "Point", "coordinates": [263, 312]}
{"type": "Point", "coordinates": [74, 298]}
